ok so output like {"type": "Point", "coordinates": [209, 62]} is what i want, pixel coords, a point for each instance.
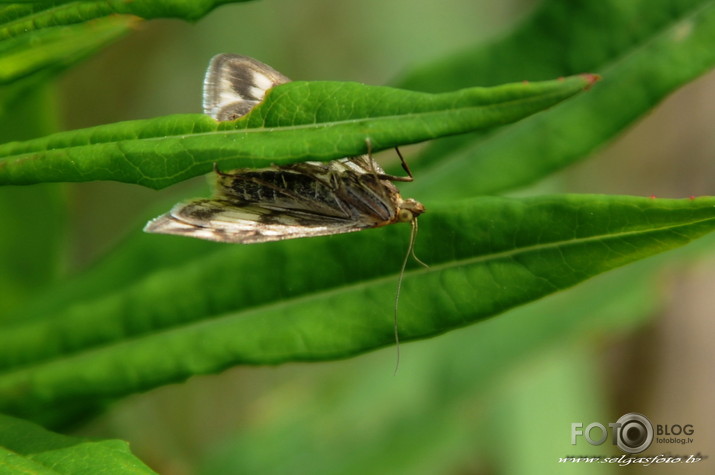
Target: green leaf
{"type": "Point", "coordinates": [558, 38]}
{"type": "Point", "coordinates": [297, 121]}
{"type": "Point", "coordinates": [486, 256]}
{"type": "Point", "coordinates": [438, 386]}
{"type": "Point", "coordinates": [653, 48]}
{"type": "Point", "coordinates": [55, 48]}
{"type": "Point", "coordinates": [26, 18]}
{"type": "Point", "coordinates": [28, 62]}
{"type": "Point", "coordinates": [39, 39]}
{"type": "Point", "coordinates": [28, 448]}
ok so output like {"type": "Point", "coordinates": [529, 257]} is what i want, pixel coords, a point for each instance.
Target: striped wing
{"type": "Point", "coordinates": [222, 221]}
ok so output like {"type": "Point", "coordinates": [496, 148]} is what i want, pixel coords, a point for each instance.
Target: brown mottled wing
{"type": "Point", "coordinates": [340, 188]}
{"type": "Point", "coordinates": [217, 221]}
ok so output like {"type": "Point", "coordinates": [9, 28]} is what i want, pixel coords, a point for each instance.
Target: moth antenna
{"type": "Point", "coordinates": [410, 251]}
{"type": "Point", "coordinates": [413, 238]}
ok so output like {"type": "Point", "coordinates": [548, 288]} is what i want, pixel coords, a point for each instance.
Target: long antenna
{"type": "Point", "coordinates": [410, 251]}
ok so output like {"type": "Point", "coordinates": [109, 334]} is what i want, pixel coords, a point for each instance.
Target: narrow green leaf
{"type": "Point", "coordinates": [655, 47]}
{"type": "Point", "coordinates": [28, 448]}
{"type": "Point", "coordinates": [463, 363]}
{"type": "Point", "coordinates": [486, 256]}
{"type": "Point", "coordinates": [31, 16]}
{"type": "Point", "coordinates": [297, 121]}
{"type": "Point", "coordinates": [559, 38]}
{"type": "Point", "coordinates": [55, 48]}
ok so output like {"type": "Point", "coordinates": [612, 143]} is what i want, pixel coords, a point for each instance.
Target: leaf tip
{"type": "Point", "coordinates": [590, 79]}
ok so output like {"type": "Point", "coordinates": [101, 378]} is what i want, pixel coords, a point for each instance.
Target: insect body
{"type": "Point", "coordinates": [282, 202]}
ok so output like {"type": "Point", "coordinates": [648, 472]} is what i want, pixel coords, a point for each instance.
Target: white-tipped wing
{"type": "Point", "coordinates": [234, 84]}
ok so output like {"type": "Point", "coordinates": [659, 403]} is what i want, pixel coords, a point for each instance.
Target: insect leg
{"type": "Point", "coordinates": [384, 176]}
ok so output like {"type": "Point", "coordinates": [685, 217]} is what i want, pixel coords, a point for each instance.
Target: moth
{"type": "Point", "coordinates": [303, 199]}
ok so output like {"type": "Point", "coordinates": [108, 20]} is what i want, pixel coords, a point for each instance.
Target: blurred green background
{"type": "Point", "coordinates": [637, 339]}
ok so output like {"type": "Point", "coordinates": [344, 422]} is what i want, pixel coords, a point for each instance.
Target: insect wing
{"type": "Point", "coordinates": [222, 221]}
{"type": "Point", "coordinates": [234, 84]}
{"type": "Point", "coordinates": [280, 202]}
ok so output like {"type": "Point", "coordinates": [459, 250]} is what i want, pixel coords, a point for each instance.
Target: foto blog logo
{"type": "Point", "coordinates": [632, 433]}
